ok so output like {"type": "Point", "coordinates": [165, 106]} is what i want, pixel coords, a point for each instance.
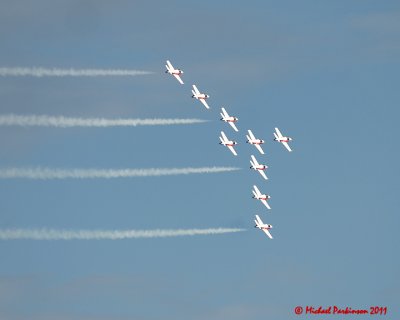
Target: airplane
{"type": "Point", "coordinates": [231, 120]}
{"type": "Point", "coordinates": [280, 138]}
{"type": "Point", "coordinates": [175, 72]}
{"type": "Point", "coordinates": [262, 197]}
{"type": "Point", "coordinates": [263, 226]}
{"type": "Point", "coordinates": [255, 142]}
{"type": "Point", "coordinates": [200, 96]}
{"type": "Point", "coordinates": [259, 167]}
{"type": "Point", "coordinates": [228, 143]}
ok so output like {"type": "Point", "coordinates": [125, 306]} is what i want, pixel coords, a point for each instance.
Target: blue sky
{"type": "Point", "coordinates": [325, 72]}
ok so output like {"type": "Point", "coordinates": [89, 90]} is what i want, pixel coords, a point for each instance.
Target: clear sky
{"type": "Point", "coordinates": [325, 72]}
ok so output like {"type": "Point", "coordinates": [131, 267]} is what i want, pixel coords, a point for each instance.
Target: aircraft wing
{"type": "Point", "coordinates": [256, 190]}
{"type": "Point", "coordinates": [286, 146]}
{"type": "Point", "coordinates": [233, 150]}
{"type": "Point", "coordinates": [170, 65]}
{"type": "Point", "coordinates": [259, 148]}
{"type": "Point", "coordinates": [259, 221]}
{"type": "Point", "coordinates": [224, 136]}
{"type": "Point", "coordinates": [178, 78]}
{"type": "Point", "coordinates": [252, 164]}
{"type": "Point", "coordinates": [254, 160]}
{"type": "Point", "coordinates": [251, 135]}
{"type": "Point", "coordinates": [267, 233]}
{"type": "Point", "coordinates": [226, 115]}
{"type": "Point", "coordinates": [233, 126]}
{"type": "Point", "coordinates": [204, 102]}
{"type": "Point", "coordinates": [278, 133]}
{"type": "Point", "coordinates": [266, 204]}
{"type": "Point", "coordinates": [196, 90]}
{"type": "Point", "coordinates": [263, 174]}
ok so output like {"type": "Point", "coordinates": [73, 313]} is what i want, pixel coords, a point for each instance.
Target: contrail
{"type": "Point", "coordinates": [56, 72]}
{"type": "Point", "coordinates": [47, 173]}
{"type": "Point", "coordinates": [66, 122]}
{"type": "Point", "coordinates": [52, 234]}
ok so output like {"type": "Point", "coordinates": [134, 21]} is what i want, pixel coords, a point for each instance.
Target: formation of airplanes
{"type": "Point", "coordinates": [230, 144]}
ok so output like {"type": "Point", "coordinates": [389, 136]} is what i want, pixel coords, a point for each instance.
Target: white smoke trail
{"type": "Point", "coordinates": [52, 234]}
{"type": "Point", "coordinates": [47, 173]}
{"type": "Point", "coordinates": [56, 72]}
{"type": "Point", "coordinates": [65, 122]}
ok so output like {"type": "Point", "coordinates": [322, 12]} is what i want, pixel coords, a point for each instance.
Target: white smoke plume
{"type": "Point", "coordinates": [66, 122]}
{"type": "Point", "coordinates": [52, 234]}
{"type": "Point", "coordinates": [48, 173]}
{"type": "Point", "coordinates": [56, 72]}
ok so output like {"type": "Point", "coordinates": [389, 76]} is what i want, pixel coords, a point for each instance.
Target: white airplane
{"type": "Point", "coordinates": [263, 226]}
{"type": "Point", "coordinates": [175, 72]}
{"type": "Point", "coordinates": [259, 167]}
{"type": "Point", "coordinates": [280, 138]}
{"type": "Point", "coordinates": [200, 96]}
{"type": "Point", "coordinates": [262, 197]}
{"type": "Point", "coordinates": [255, 142]}
{"type": "Point", "coordinates": [228, 143]}
{"type": "Point", "coordinates": [231, 120]}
